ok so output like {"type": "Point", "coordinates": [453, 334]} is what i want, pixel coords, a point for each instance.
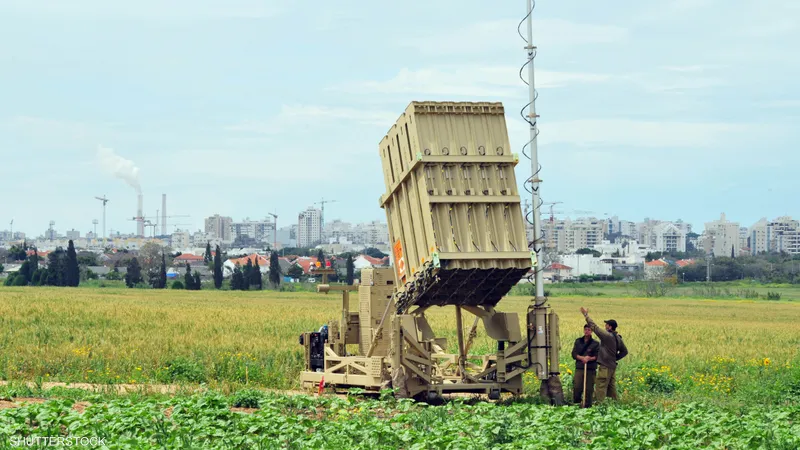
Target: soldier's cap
{"type": "Point", "coordinates": [611, 322]}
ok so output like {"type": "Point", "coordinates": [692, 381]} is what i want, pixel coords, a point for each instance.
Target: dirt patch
{"type": "Point", "coordinates": [168, 412]}
{"type": "Point", "coordinates": [4, 404]}
{"type": "Point", "coordinates": [80, 406]}
{"type": "Point", "coordinates": [244, 410]}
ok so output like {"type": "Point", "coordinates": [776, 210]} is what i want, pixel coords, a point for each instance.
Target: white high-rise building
{"type": "Point", "coordinates": [219, 227]}
{"type": "Point", "coordinates": [566, 235]}
{"type": "Point", "coordinates": [262, 231]}
{"type": "Point", "coordinates": [721, 237]}
{"type": "Point", "coordinates": [668, 237]}
{"type": "Point", "coordinates": [309, 227]}
{"type": "Point", "coordinates": [784, 235]}
{"type": "Point", "coordinates": [180, 239]}
{"type": "Point", "coordinates": [757, 235]}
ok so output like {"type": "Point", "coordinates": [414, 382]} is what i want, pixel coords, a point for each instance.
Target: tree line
{"type": "Point", "coordinates": [62, 268]}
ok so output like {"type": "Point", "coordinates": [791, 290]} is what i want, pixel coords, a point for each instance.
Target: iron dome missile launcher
{"type": "Point", "coordinates": [458, 242]}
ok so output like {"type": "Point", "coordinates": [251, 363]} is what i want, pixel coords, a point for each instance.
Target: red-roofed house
{"type": "Point", "coordinates": [229, 265]}
{"type": "Point", "coordinates": [557, 272]}
{"type": "Point", "coordinates": [685, 262]}
{"type": "Point", "coordinates": [184, 258]}
{"type": "Point", "coordinates": [655, 270]}
{"type": "Point", "coordinates": [307, 263]}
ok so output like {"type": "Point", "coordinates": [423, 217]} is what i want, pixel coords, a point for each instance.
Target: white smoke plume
{"type": "Point", "coordinates": [119, 167]}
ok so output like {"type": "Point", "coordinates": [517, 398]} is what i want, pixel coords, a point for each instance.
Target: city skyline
{"type": "Point", "coordinates": [646, 110]}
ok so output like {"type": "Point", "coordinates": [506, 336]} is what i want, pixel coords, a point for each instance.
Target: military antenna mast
{"type": "Point", "coordinates": [534, 180]}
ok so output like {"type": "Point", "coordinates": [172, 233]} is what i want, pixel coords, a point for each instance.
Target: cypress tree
{"type": "Point", "coordinates": [247, 273]}
{"type": "Point", "coordinates": [198, 285]}
{"type": "Point", "coordinates": [274, 270]}
{"type": "Point", "coordinates": [218, 269]}
{"type": "Point", "coordinates": [188, 281]}
{"type": "Point", "coordinates": [350, 270]}
{"type": "Point", "coordinates": [73, 277]}
{"type": "Point", "coordinates": [134, 273]}
{"type": "Point", "coordinates": [255, 276]}
{"type": "Point", "coordinates": [162, 276]}
{"type": "Point", "coordinates": [207, 256]}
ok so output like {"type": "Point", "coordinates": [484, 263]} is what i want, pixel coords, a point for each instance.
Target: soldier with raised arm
{"type": "Point", "coordinates": [612, 349]}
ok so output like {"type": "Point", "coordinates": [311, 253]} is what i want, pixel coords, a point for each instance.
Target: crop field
{"type": "Point", "coordinates": [706, 373]}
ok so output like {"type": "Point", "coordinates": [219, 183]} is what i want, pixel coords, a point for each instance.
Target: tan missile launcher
{"type": "Point", "coordinates": [458, 241]}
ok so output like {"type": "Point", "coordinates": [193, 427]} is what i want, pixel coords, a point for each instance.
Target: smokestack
{"type": "Point", "coordinates": [163, 214]}
{"type": "Point", "coordinates": [139, 219]}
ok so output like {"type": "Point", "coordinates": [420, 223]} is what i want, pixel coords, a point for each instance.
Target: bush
{"type": "Point", "coordinates": [177, 284]}
{"type": "Point", "coordinates": [247, 398]}
{"type": "Point", "coordinates": [183, 369]}
{"type": "Point", "coordinates": [653, 288]}
{"type": "Point", "coordinates": [773, 296]}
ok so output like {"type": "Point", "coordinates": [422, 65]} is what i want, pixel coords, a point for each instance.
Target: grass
{"type": "Point", "coordinates": [733, 290]}
{"type": "Point", "coordinates": [118, 335]}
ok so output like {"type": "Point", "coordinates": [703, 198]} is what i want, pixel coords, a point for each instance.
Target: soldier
{"type": "Point", "coordinates": [584, 352]}
{"type": "Point", "coordinates": [612, 349]}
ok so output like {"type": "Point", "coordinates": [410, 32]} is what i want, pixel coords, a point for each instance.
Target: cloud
{"type": "Point", "coordinates": [495, 35]}
{"type": "Point", "coordinates": [670, 135]}
{"type": "Point", "coordinates": [781, 104]}
{"type": "Point", "coordinates": [467, 81]}
{"type": "Point", "coordinates": [145, 9]}
{"type": "Point", "coordinates": [292, 116]}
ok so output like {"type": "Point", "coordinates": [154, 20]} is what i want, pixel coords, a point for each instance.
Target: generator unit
{"type": "Point", "coordinates": [458, 242]}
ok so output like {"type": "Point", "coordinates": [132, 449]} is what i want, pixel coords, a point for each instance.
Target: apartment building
{"type": "Point", "coordinates": [721, 237]}
{"type": "Point", "coordinates": [309, 227]}
{"type": "Point", "coordinates": [219, 227]}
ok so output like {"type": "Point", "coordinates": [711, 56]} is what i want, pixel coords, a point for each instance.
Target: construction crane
{"type": "Point", "coordinates": [152, 221]}
{"type": "Point", "coordinates": [552, 204]}
{"type": "Point", "coordinates": [104, 200]}
{"type": "Point", "coordinates": [275, 234]}
{"type": "Point", "coordinates": [322, 219]}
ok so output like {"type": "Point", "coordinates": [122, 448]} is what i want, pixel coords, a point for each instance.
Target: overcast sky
{"type": "Point", "coordinates": [670, 109]}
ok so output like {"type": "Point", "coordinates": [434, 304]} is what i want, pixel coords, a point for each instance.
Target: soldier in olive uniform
{"type": "Point", "coordinates": [612, 349]}
{"type": "Point", "coordinates": [584, 352]}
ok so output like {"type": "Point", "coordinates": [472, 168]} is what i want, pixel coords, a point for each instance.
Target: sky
{"type": "Point", "coordinates": [671, 109]}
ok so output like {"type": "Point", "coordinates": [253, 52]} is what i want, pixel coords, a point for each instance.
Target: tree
{"type": "Point", "coordinates": [56, 268]}
{"type": "Point", "coordinates": [733, 255]}
{"type": "Point", "coordinates": [163, 274]}
{"type": "Point", "coordinates": [218, 269]}
{"type": "Point", "coordinates": [374, 253]}
{"type": "Point", "coordinates": [198, 285]}
{"type": "Point", "coordinates": [255, 276]}
{"type": "Point", "coordinates": [151, 255]}
{"type": "Point", "coordinates": [295, 271]}
{"type": "Point", "coordinates": [134, 273]}
{"type": "Point", "coordinates": [275, 269]}
{"type": "Point", "coordinates": [207, 256]}
{"type": "Point", "coordinates": [588, 251]}
{"type": "Point", "coordinates": [350, 270]}
{"type": "Point", "coordinates": [247, 273]}
{"type": "Point", "coordinates": [237, 280]}
{"type": "Point", "coordinates": [73, 273]}
{"type": "Point", "coordinates": [188, 281]}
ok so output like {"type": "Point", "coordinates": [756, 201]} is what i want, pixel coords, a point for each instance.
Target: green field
{"type": "Point", "coordinates": [691, 360]}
